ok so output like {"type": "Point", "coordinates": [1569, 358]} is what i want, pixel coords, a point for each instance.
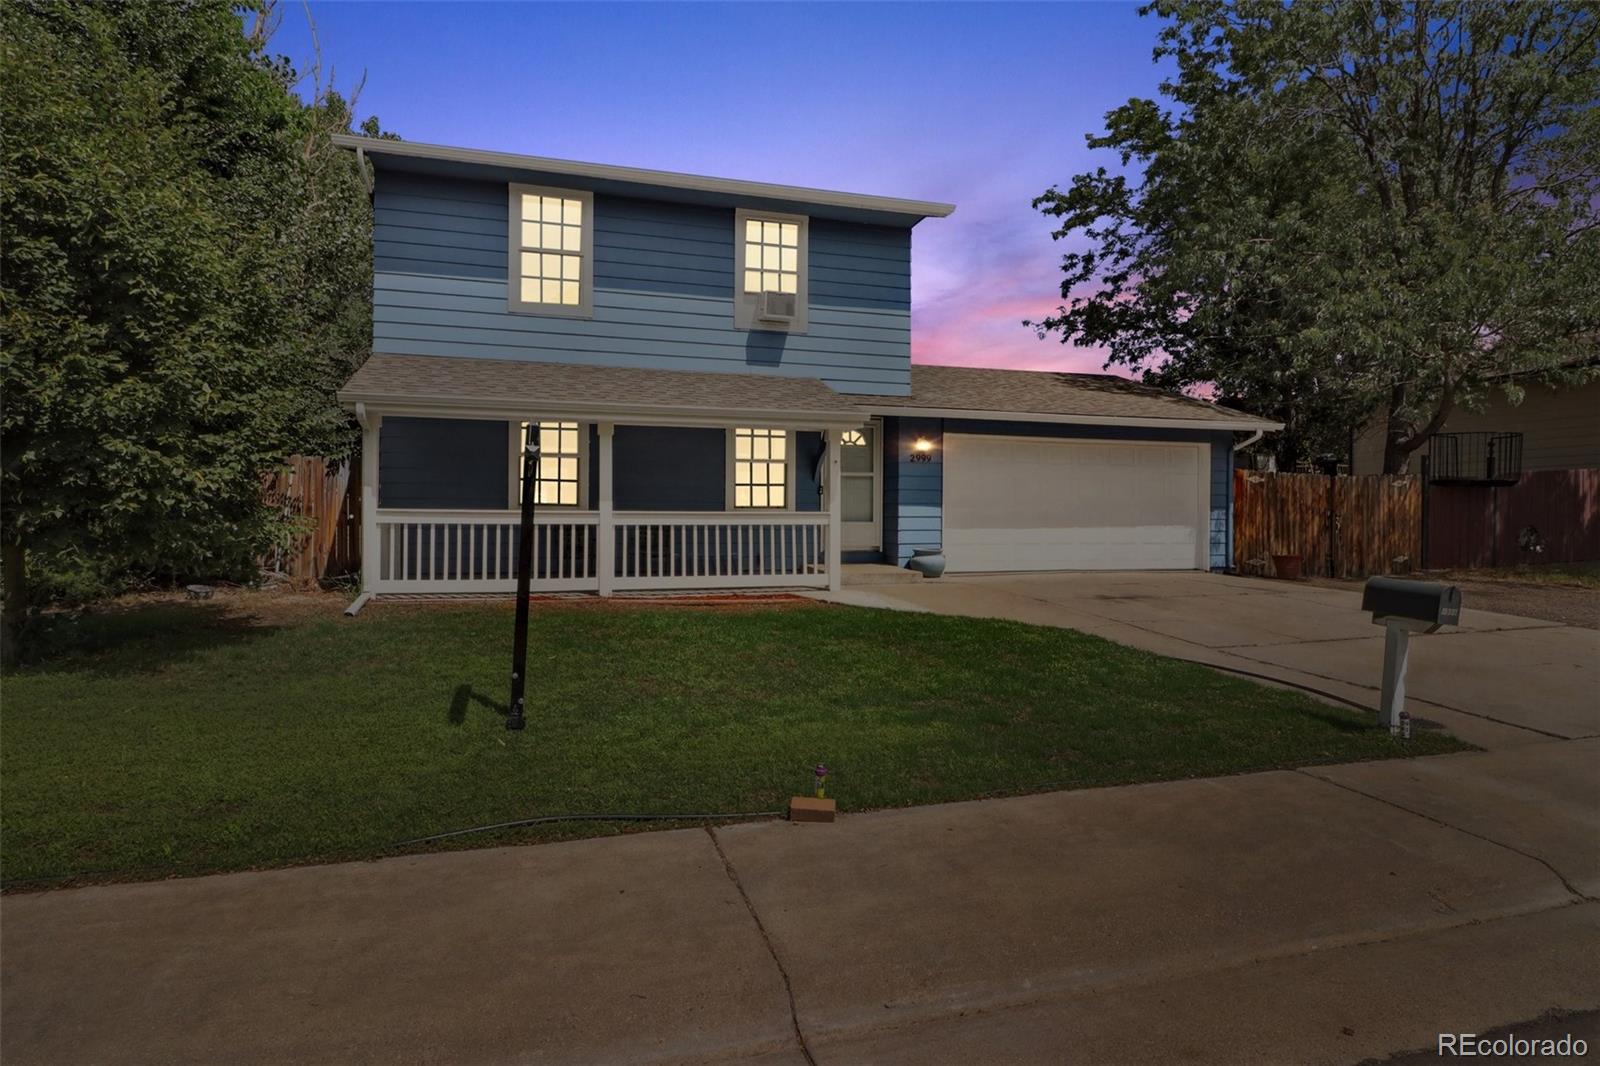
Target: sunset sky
{"type": "Point", "coordinates": [983, 105]}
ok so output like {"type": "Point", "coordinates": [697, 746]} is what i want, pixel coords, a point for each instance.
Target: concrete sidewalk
{"type": "Point", "coordinates": [1497, 681]}
{"type": "Point", "coordinates": [1327, 915]}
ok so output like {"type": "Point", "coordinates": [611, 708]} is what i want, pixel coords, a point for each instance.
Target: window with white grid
{"type": "Point", "coordinates": [771, 256]}
{"type": "Point", "coordinates": [760, 468]}
{"type": "Point", "coordinates": [551, 234]}
{"type": "Point", "coordinates": [557, 480]}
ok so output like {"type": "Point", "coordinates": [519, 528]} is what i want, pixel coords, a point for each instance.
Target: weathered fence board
{"type": "Point", "coordinates": [1485, 525]}
{"type": "Point", "coordinates": [1376, 526]}
{"type": "Point", "coordinates": [323, 496]}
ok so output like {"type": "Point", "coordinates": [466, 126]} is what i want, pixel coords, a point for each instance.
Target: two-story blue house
{"type": "Point", "coordinates": [719, 375]}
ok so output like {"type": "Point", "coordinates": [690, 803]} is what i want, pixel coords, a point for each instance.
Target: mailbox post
{"type": "Point", "coordinates": [1404, 608]}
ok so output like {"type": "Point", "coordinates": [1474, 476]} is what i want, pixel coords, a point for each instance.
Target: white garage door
{"type": "Point", "coordinates": [1026, 503]}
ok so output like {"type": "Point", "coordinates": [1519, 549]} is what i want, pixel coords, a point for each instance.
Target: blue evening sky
{"type": "Point", "coordinates": [984, 105]}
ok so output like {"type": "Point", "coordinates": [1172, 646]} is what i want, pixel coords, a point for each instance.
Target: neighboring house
{"type": "Point", "coordinates": [1560, 428]}
{"type": "Point", "coordinates": [719, 375]}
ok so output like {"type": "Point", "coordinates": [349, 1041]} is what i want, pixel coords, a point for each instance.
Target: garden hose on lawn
{"type": "Point", "coordinates": [549, 818]}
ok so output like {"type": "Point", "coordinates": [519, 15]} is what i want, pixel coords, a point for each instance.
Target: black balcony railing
{"type": "Point", "coordinates": [1475, 458]}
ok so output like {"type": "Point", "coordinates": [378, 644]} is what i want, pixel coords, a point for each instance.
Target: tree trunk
{"type": "Point", "coordinates": [1397, 445]}
{"type": "Point", "coordinates": [15, 608]}
{"type": "Point", "coordinates": [1288, 449]}
{"type": "Point", "coordinates": [1395, 454]}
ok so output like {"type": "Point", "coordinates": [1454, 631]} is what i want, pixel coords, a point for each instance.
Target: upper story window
{"type": "Point", "coordinates": [770, 256]}
{"type": "Point", "coordinates": [760, 468]}
{"type": "Point", "coordinates": [551, 268]}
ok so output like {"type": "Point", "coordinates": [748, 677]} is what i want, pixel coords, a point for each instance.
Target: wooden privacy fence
{"type": "Point", "coordinates": [1548, 516]}
{"type": "Point", "coordinates": [1375, 526]}
{"type": "Point", "coordinates": [325, 497]}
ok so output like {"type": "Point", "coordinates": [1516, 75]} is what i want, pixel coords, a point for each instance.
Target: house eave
{"type": "Point", "coordinates": [1241, 423]}
{"type": "Point", "coordinates": [733, 190]}
{"type": "Point", "coordinates": [499, 408]}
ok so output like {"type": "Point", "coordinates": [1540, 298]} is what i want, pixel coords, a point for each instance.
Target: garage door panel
{"type": "Point", "coordinates": [1052, 504]}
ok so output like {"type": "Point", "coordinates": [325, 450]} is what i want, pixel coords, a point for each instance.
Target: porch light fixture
{"type": "Point", "coordinates": [525, 563]}
{"type": "Point", "coordinates": [922, 450]}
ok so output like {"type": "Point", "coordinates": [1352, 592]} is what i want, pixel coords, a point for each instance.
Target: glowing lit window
{"type": "Point", "coordinates": [760, 468]}
{"type": "Point", "coordinates": [552, 230]}
{"type": "Point", "coordinates": [556, 483]}
{"type": "Point", "coordinates": [771, 256]}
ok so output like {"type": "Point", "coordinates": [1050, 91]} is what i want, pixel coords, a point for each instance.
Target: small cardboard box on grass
{"type": "Point", "coordinates": [816, 808]}
{"type": "Point", "coordinates": [811, 809]}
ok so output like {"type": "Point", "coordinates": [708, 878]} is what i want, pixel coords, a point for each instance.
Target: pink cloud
{"type": "Point", "coordinates": [963, 331]}
{"type": "Point", "coordinates": [957, 320]}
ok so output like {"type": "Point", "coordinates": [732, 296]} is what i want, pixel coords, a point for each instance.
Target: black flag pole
{"type": "Point", "coordinates": [519, 641]}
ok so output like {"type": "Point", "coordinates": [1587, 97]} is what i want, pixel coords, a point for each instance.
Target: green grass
{"type": "Point", "coordinates": [181, 738]}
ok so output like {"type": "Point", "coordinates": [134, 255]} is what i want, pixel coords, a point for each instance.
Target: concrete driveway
{"type": "Point", "coordinates": [1496, 680]}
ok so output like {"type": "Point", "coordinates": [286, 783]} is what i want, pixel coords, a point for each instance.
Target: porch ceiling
{"type": "Point", "coordinates": [501, 388]}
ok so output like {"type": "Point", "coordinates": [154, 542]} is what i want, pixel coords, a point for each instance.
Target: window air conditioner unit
{"type": "Point", "coordinates": [776, 307]}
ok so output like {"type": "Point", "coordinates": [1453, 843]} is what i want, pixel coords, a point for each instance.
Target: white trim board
{"type": "Point", "coordinates": [373, 148]}
{"type": "Point", "coordinates": [1243, 422]}
{"type": "Point", "coordinates": [709, 417]}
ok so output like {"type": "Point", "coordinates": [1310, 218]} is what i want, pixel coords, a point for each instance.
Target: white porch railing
{"type": "Point", "coordinates": [664, 550]}
{"type": "Point", "coordinates": [476, 551]}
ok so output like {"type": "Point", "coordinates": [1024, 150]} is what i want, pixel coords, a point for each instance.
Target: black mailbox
{"type": "Point", "coordinates": [1420, 606]}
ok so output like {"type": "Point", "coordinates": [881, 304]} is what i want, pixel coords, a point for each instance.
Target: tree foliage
{"type": "Point", "coordinates": [1347, 209]}
{"type": "Point", "coordinates": [185, 283]}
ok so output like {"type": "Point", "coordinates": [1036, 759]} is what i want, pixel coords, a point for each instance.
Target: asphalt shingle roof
{"type": "Point", "coordinates": [514, 381]}
{"type": "Point", "coordinates": [984, 391]}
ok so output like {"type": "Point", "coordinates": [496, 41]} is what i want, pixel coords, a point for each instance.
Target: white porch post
{"type": "Point", "coordinates": [371, 560]}
{"type": "Point", "coordinates": [835, 439]}
{"type": "Point", "coordinates": [606, 539]}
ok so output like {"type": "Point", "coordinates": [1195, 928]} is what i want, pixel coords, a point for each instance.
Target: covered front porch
{"type": "Point", "coordinates": [647, 480]}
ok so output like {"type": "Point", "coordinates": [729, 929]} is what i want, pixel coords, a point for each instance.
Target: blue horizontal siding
{"type": "Point", "coordinates": [1222, 501]}
{"type": "Point", "coordinates": [487, 327]}
{"type": "Point", "coordinates": [663, 290]}
{"type": "Point", "coordinates": [664, 468]}
{"type": "Point", "coordinates": [442, 462]}
{"type": "Point", "coordinates": [913, 501]}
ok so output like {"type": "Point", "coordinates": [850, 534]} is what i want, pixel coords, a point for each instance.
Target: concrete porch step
{"type": "Point", "coordinates": [877, 574]}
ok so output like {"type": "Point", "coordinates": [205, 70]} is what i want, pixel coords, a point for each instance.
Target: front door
{"type": "Point", "coordinates": [860, 460]}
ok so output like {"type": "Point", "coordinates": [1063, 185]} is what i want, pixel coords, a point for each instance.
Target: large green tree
{"type": "Point", "coordinates": [1347, 210]}
{"type": "Point", "coordinates": [184, 285]}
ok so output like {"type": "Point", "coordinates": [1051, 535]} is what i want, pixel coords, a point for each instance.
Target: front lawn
{"type": "Point", "coordinates": [191, 737]}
